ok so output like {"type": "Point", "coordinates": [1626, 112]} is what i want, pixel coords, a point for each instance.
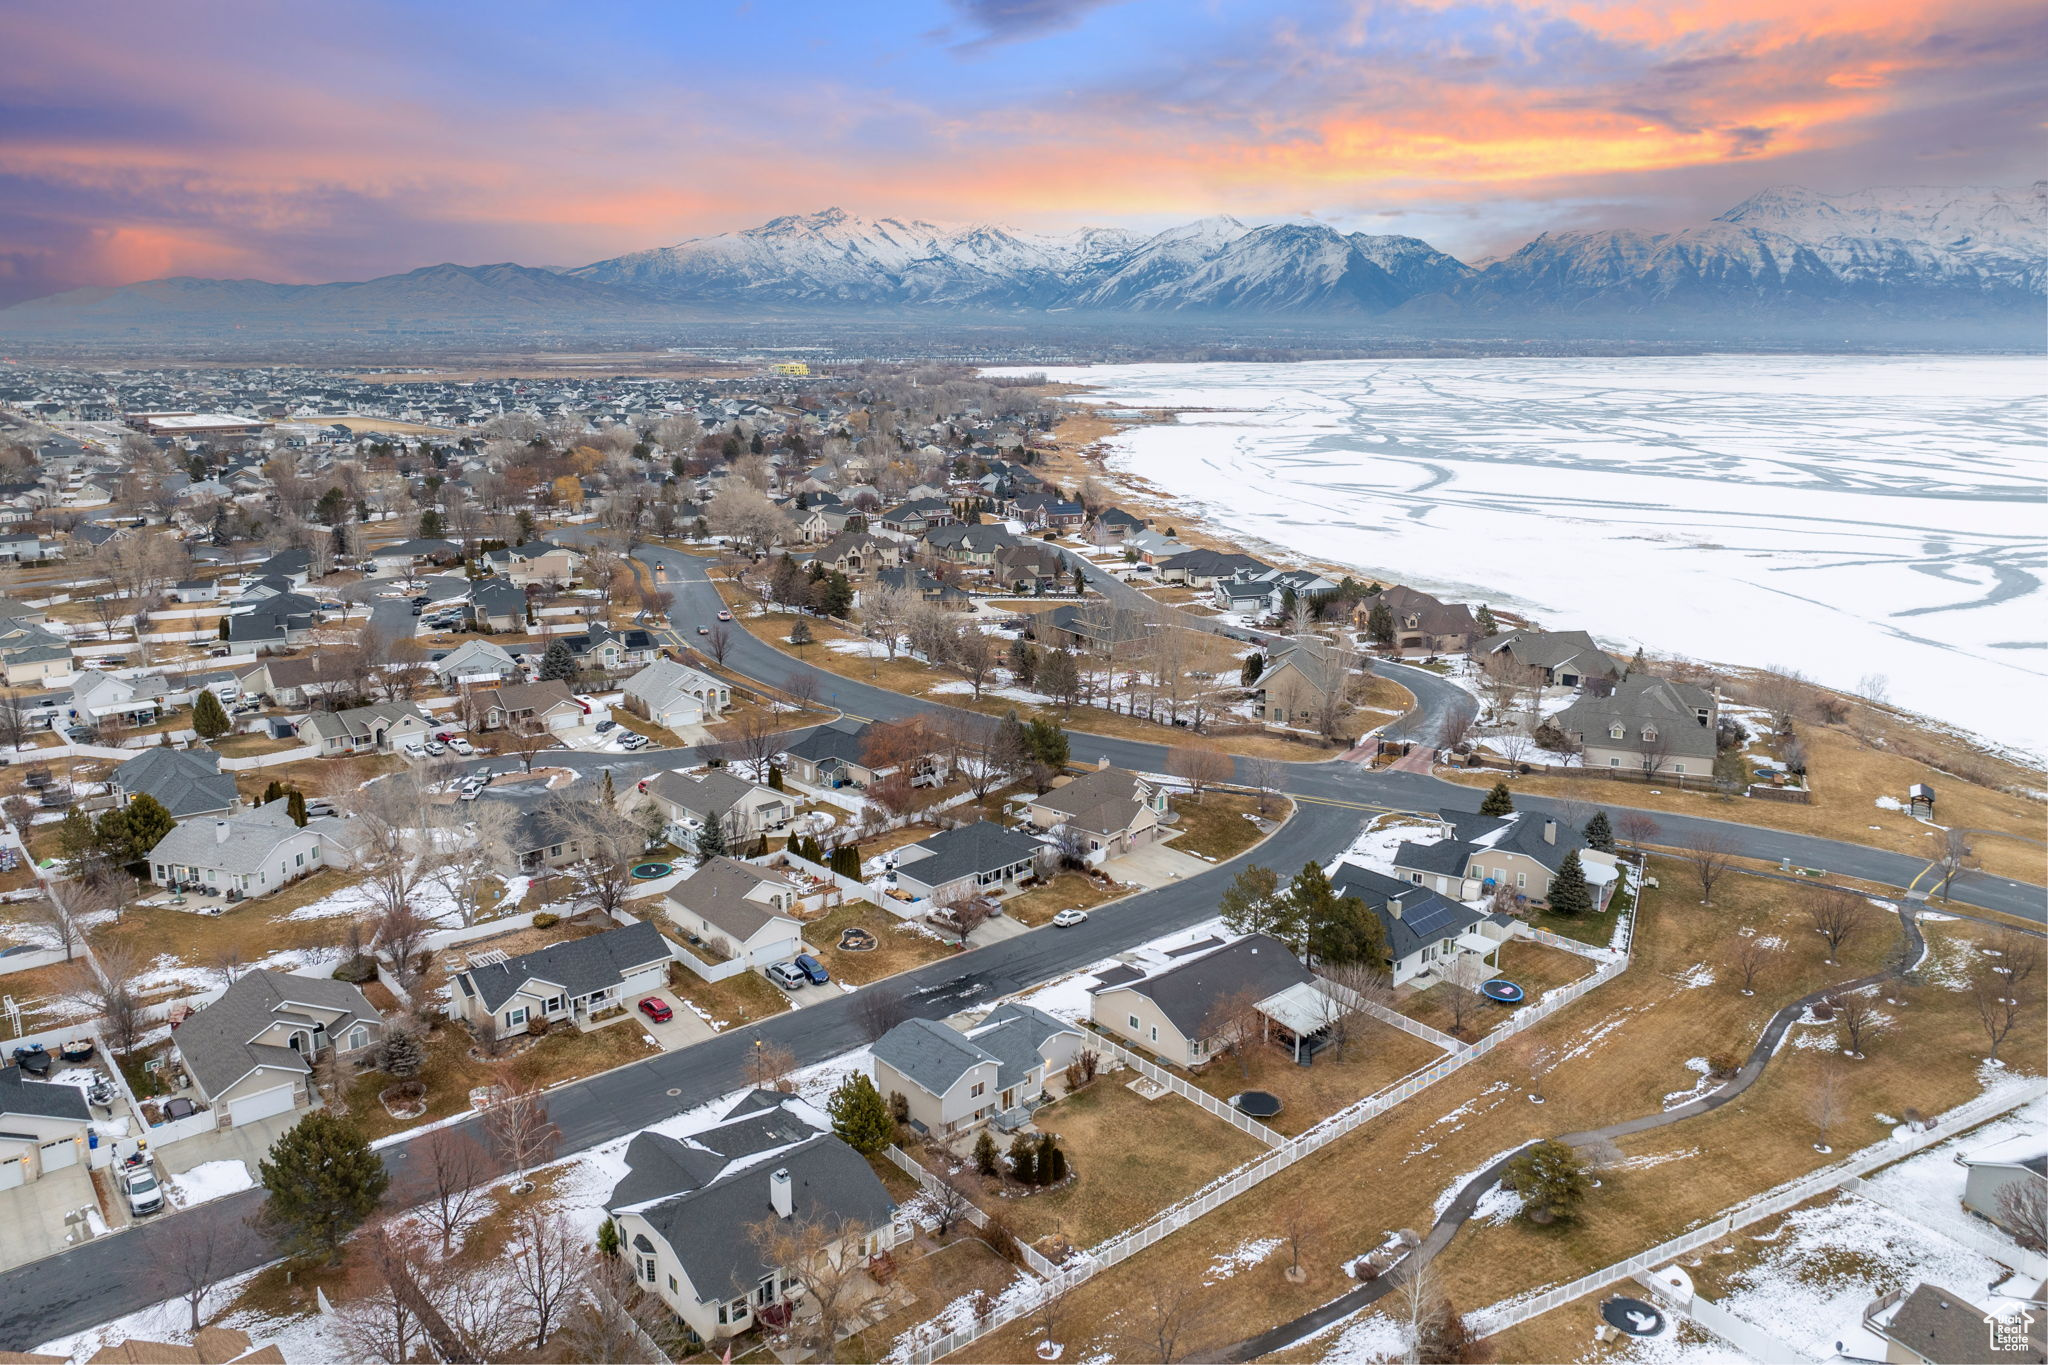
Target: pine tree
{"type": "Point", "coordinates": [1024, 1160]}
{"type": "Point", "coordinates": [340, 544]}
{"type": "Point", "coordinates": [295, 806]}
{"type": "Point", "coordinates": [800, 633]}
{"type": "Point", "coordinates": [402, 1055]}
{"type": "Point", "coordinates": [1569, 892]}
{"type": "Point", "coordinates": [323, 1181]}
{"type": "Point", "coordinates": [1488, 627]}
{"type": "Point", "coordinates": [223, 627]}
{"type": "Point", "coordinates": [1052, 1161]}
{"type": "Point", "coordinates": [209, 717]}
{"type": "Point", "coordinates": [846, 861]}
{"type": "Point", "coordinates": [1600, 832]}
{"type": "Point", "coordinates": [77, 840]}
{"type": "Point", "coordinates": [860, 1116]}
{"type": "Point", "coordinates": [1552, 1182]}
{"type": "Point", "coordinates": [838, 596]}
{"type": "Point", "coordinates": [608, 1241]}
{"type": "Point", "coordinates": [274, 792]}
{"type": "Point", "coordinates": [1048, 743]}
{"type": "Point", "coordinates": [1252, 904]}
{"type": "Point", "coordinates": [1379, 623]}
{"type": "Point", "coordinates": [558, 664]}
{"type": "Point", "coordinates": [1254, 664]}
{"type": "Point", "coordinates": [430, 525]}
{"type": "Point", "coordinates": [129, 832]}
{"type": "Point", "coordinates": [711, 839]}
{"type": "Point", "coordinates": [1499, 801]}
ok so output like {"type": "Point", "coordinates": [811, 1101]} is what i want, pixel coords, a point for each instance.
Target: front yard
{"type": "Point", "coordinates": [1064, 891]}
{"type": "Point", "coordinates": [898, 945]}
{"type": "Point", "coordinates": [744, 998]}
{"type": "Point", "coordinates": [1219, 825]}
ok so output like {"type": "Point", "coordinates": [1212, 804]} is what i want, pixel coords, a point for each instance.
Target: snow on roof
{"type": "Point", "coordinates": [2013, 1151]}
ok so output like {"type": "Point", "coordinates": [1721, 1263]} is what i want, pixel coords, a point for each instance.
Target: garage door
{"type": "Point", "coordinates": [10, 1174]}
{"type": "Point", "coordinates": [250, 1108]}
{"type": "Point", "coordinates": [58, 1155]}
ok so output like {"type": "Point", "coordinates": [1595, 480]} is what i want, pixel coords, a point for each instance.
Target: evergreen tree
{"type": "Point", "coordinates": [1024, 1160]}
{"type": "Point", "coordinates": [341, 544]}
{"type": "Point", "coordinates": [1330, 928]}
{"type": "Point", "coordinates": [1059, 677]}
{"type": "Point", "coordinates": [1050, 1163]}
{"type": "Point", "coordinates": [223, 627]}
{"type": "Point", "coordinates": [402, 1054]}
{"type": "Point", "coordinates": [860, 1116]}
{"type": "Point", "coordinates": [129, 832]}
{"type": "Point", "coordinates": [274, 792]}
{"type": "Point", "coordinates": [558, 664]}
{"type": "Point", "coordinates": [78, 842]}
{"type": "Point", "coordinates": [608, 1241]}
{"type": "Point", "coordinates": [295, 806]}
{"type": "Point", "coordinates": [986, 1158]}
{"type": "Point", "coordinates": [1551, 1180]}
{"type": "Point", "coordinates": [332, 507]}
{"type": "Point", "coordinates": [209, 717]}
{"type": "Point", "coordinates": [1047, 742]}
{"type": "Point", "coordinates": [800, 633]}
{"type": "Point", "coordinates": [1499, 801]}
{"type": "Point", "coordinates": [323, 1181]}
{"type": "Point", "coordinates": [1379, 623]}
{"type": "Point", "coordinates": [711, 839]}
{"type": "Point", "coordinates": [1569, 892]}
{"type": "Point", "coordinates": [846, 861]}
{"type": "Point", "coordinates": [1600, 832]}
{"type": "Point", "coordinates": [1080, 580]}
{"type": "Point", "coordinates": [528, 527]}
{"type": "Point", "coordinates": [1487, 625]}
{"type": "Point", "coordinates": [1254, 665]}
{"type": "Point", "coordinates": [430, 525]}
{"type": "Point", "coordinates": [838, 596]}
{"type": "Point", "coordinates": [1023, 661]}
{"type": "Point", "coordinates": [1253, 904]}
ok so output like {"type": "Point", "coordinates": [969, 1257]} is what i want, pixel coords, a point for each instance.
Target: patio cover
{"type": "Point", "coordinates": [1301, 1009]}
{"type": "Point", "coordinates": [1472, 941]}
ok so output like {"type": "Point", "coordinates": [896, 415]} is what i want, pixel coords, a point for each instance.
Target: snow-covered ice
{"type": "Point", "coordinates": [1883, 513]}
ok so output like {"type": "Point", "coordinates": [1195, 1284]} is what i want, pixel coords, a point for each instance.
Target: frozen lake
{"type": "Point", "coordinates": [1841, 516]}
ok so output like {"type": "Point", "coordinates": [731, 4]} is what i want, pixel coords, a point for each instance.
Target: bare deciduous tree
{"type": "Point", "coordinates": [1858, 1019]}
{"type": "Point", "coordinates": [517, 1123]}
{"type": "Point", "coordinates": [823, 1255]}
{"type": "Point", "coordinates": [1823, 1101]}
{"type": "Point", "coordinates": [1199, 767]}
{"type": "Point", "coordinates": [541, 1266]}
{"type": "Point", "coordinates": [1711, 857]}
{"type": "Point", "coordinates": [769, 1066]}
{"type": "Point", "coordinates": [2023, 1209]}
{"type": "Point", "coordinates": [1263, 776]}
{"type": "Point", "coordinates": [1162, 1312]}
{"type": "Point", "coordinates": [1838, 915]}
{"type": "Point", "coordinates": [1638, 829]}
{"type": "Point", "coordinates": [65, 908]}
{"type": "Point", "coordinates": [1747, 957]}
{"type": "Point", "coordinates": [212, 1244]}
{"type": "Point", "coordinates": [102, 984]}
{"type": "Point", "coordinates": [1233, 1025]}
{"type": "Point", "coordinates": [452, 1168]}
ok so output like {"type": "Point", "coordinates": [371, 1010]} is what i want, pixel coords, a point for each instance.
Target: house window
{"type": "Point", "coordinates": [1477, 872]}
{"type": "Point", "coordinates": [1521, 880]}
{"type": "Point", "coordinates": [1616, 730]}
{"type": "Point", "coordinates": [1133, 1020]}
{"type": "Point", "coordinates": [1649, 734]}
{"type": "Point", "coordinates": [672, 1284]}
{"type": "Point", "coordinates": [1678, 767]}
{"type": "Point", "coordinates": [764, 1292]}
{"type": "Point", "coordinates": [974, 1091]}
{"type": "Point", "coordinates": [647, 1270]}
{"type": "Point", "coordinates": [1155, 1034]}
{"type": "Point", "coordinates": [1614, 763]}
{"type": "Point", "coordinates": [516, 1018]}
{"type": "Point", "coordinates": [357, 1036]}
{"type": "Point", "coordinates": [557, 1004]}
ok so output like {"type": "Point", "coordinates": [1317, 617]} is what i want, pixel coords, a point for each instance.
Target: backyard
{"type": "Point", "coordinates": [1372, 1058]}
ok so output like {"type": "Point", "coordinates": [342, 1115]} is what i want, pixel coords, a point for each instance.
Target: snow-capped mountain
{"type": "Point", "coordinates": [1899, 254]}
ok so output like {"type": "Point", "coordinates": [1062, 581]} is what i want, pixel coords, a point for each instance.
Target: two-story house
{"type": "Point", "coordinates": [1483, 852]}
{"type": "Point", "coordinates": [251, 1052]}
{"type": "Point", "coordinates": [954, 1079]}
{"type": "Point", "coordinates": [688, 802]}
{"type": "Point", "coordinates": [1114, 810]}
{"type": "Point", "coordinates": [1647, 723]}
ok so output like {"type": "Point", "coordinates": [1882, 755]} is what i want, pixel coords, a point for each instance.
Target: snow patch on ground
{"type": "Point", "coordinates": [1696, 976]}
{"type": "Point", "coordinates": [1243, 1256]}
{"type": "Point", "coordinates": [1700, 1087]}
{"type": "Point", "coordinates": [1369, 1341]}
{"type": "Point", "coordinates": [1498, 1205]}
{"type": "Point", "coordinates": [209, 1180]}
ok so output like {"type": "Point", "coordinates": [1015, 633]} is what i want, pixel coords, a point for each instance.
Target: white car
{"type": "Point", "coordinates": [461, 746]}
{"type": "Point", "coordinates": [145, 1194]}
{"type": "Point", "coordinates": [435, 748]}
{"type": "Point", "coordinates": [415, 749]}
{"type": "Point", "coordinates": [1067, 919]}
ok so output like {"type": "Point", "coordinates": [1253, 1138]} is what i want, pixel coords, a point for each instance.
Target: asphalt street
{"type": "Point", "coordinates": [109, 1276]}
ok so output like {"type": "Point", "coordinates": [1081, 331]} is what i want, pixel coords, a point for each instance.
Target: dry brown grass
{"type": "Point", "coordinates": [319, 776]}
{"type": "Point", "coordinates": [1535, 967]}
{"type": "Point", "coordinates": [744, 998]}
{"type": "Point", "coordinates": [934, 1275]}
{"type": "Point", "coordinates": [1065, 891]}
{"type": "Point", "coordinates": [253, 929]}
{"type": "Point", "coordinates": [1614, 1054]}
{"type": "Point", "coordinates": [1375, 1057]}
{"type": "Point", "coordinates": [1215, 825]}
{"type": "Point", "coordinates": [898, 947]}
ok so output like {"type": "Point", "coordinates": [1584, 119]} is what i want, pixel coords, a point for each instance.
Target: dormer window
{"type": "Point", "coordinates": [1649, 734]}
{"type": "Point", "coordinates": [1616, 730]}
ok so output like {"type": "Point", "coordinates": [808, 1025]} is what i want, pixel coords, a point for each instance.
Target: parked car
{"type": "Point", "coordinates": [462, 746]}
{"type": "Point", "coordinates": [415, 749]}
{"type": "Point", "coordinates": [813, 970]}
{"type": "Point", "coordinates": [633, 740]}
{"type": "Point", "coordinates": [657, 1009]}
{"type": "Point", "coordinates": [787, 976]}
{"type": "Point", "coordinates": [145, 1193]}
{"type": "Point", "coordinates": [417, 610]}
{"type": "Point", "coordinates": [435, 748]}
{"type": "Point", "coordinates": [604, 725]}
{"type": "Point", "coordinates": [1067, 919]}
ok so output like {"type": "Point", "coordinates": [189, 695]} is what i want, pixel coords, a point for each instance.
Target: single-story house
{"type": "Point", "coordinates": [832, 755]}
{"type": "Point", "coordinates": [689, 801]}
{"type": "Point", "coordinates": [688, 1208]}
{"type": "Point", "coordinates": [564, 982]}
{"type": "Point", "coordinates": [1422, 624]}
{"type": "Point", "coordinates": [497, 604]}
{"type": "Point", "coordinates": [1931, 1326]}
{"type": "Point", "coordinates": [1426, 933]}
{"type": "Point", "coordinates": [1200, 568]}
{"type": "Point", "coordinates": [952, 1079]}
{"type": "Point", "coordinates": [297, 680]}
{"type": "Point", "coordinates": [548, 706]}
{"type": "Point", "coordinates": [738, 910]}
{"type": "Point", "coordinates": [1114, 810]}
{"type": "Point", "coordinates": [249, 853]}
{"type": "Point", "coordinates": [365, 729]}
{"type": "Point", "coordinates": [1177, 1012]}
{"type": "Point", "coordinates": [186, 782]}
{"type": "Point", "coordinates": [1556, 658]}
{"type": "Point", "coordinates": [2018, 1161]}
{"type": "Point", "coordinates": [42, 1127]}
{"type": "Point", "coordinates": [981, 859]}
{"type": "Point", "coordinates": [477, 661]}
{"type": "Point", "coordinates": [251, 1052]}
{"type": "Point", "coordinates": [674, 695]}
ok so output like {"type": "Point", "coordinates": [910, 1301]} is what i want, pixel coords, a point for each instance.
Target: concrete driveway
{"type": "Point", "coordinates": [1155, 865]}
{"type": "Point", "coordinates": [683, 1030]}
{"type": "Point", "coordinates": [46, 1216]}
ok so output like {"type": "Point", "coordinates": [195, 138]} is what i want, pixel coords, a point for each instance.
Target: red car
{"type": "Point", "coordinates": [655, 1008]}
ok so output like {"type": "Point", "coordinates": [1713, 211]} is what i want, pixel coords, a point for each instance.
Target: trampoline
{"type": "Point", "coordinates": [1257, 1104]}
{"type": "Point", "coordinates": [647, 872]}
{"type": "Point", "coordinates": [1502, 992]}
{"type": "Point", "coordinates": [1633, 1316]}
{"type": "Point", "coordinates": [854, 939]}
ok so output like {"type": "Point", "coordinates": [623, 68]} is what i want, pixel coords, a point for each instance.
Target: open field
{"type": "Point", "coordinates": [1622, 1051]}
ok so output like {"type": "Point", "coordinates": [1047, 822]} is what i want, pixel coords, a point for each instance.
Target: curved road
{"type": "Point", "coordinates": [106, 1277]}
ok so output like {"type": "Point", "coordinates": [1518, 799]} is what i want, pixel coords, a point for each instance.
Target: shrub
{"type": "Point", "coordinates": [537, 1027]}
{"type": "Point", "coordinates": [357, 970]}
{"type": "Point", "coordinates": [546, 919]}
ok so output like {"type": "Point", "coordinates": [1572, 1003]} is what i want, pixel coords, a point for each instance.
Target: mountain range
{"type": "Point", "coordinates": [1786, 253]}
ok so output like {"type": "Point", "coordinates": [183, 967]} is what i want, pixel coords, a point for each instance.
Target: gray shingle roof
{"type": "Point", "coordinates": [215, 1041]}
{"type": "Point", "coordinates": [1187, 991]}
{"type": "Point", "coordinates": [1425, 917]}
{"type": "Point", "coordinates": [185, 781]}
{"type": "Point", "coordinates": [1670, 708]}
{"type": "Point", "coordinates": [929, 1053]}
{"type": "Point", "coordinates": [718, 892]}
{"type": "Point", "coordinates": [236, 843]}
{"type": "Point", "coordinates": [41, 1099]}
{"type": "Point", "coordinates": [841, 739]}
{"type": "Point", "coordinates": [579, 966]}
{"type": "Point", "coordinates": [980, 847]}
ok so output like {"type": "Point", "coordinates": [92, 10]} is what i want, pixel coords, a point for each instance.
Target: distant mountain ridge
{"type": "Point", "coordinates": [1786, 252]}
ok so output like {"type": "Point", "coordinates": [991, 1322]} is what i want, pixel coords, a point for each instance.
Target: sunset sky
{"type": "Point", "coordinates": [314, 142]}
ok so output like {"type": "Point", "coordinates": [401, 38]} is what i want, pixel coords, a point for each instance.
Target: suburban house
{"type": "Point", "coordinates": [97, 696]}
{"type": "Point", "coordinates": [251, 1052]}
{"type": "Point", "coordinates": [606, 650]}
{"type": "Point", "coordinates": [1200, 568]}
{"type": "Point", "coordinates": [497, 604]}
{"type": "Point", "coordinates": [674, 695]}
{"type": "Point", "coordinates": [1092, 628]}
{"type": "Point", "coordinates": [476, 661]}
{"type": "Point", "coordinates": [1114, 810]}
{"type": "Point", "coordinates": [365, 729]}
{"type": "Point", "coordinates": [42, 1127]}
{"type": "Point", "coordinates": [1557, 658]}
{"type": "Point", "coordinates": [1422, 624]}
{"type": "Point", "coordinates": [1299, 684]}
{"type": "Point", "coordinates": [1179, 1012]}
{"type": "Point", "coordinates": [1048, 510]}
{"type": "Point", "coordinates": [284, 618]}
{"type": "Point", "coordinates": [186, 782]}
{"type": "Point", "coordinates": [928, 586]}
{"type": "Point", "coordinates": [952, 1079]}
{"type": "Point", "coordinates": [532, 707]}
{"type": "Point", "coordinates": [854, 553]}
{"type": "Point", "coordinates": [687, 1211]}
{"type": "Point", "coordinates": [537, 561]}
{"type": "Point", "coordinates": [1032, 567]}
{"type": "Point", "coordinates": [1647, 723]}
{"type": "Point", "coordinates": [293, 566]}
{"type": "Point", "coordinates": [914, 518]}
{"type": "Point", "coordinates": [30, 653]}
{"type": "Point", "coordinates": [690, 801]}
{"type": "Point", "coordinates": [248, 853]}
{"type": "Point", "coordinates": [565, 982]}
{"type": "Point", "coordinates": [1930, 1326]}
{"type": "Point", "coordinates": [1113, 524]}
{"type": "Point", "coordinates": [960, 543]}
{"type": "Point", "coordinates": [297, 680]}
{"type": "Point", "coordinates": [1484, 852]}
{"type": "Point", "coordinates": [833, 755]}
{"type": "Point", "coordinates": [981, 859]}
{"type": "Point", "coordinates": [1427, 934]}
{"type": "Point", "coordinates": [2019, 1161]}
{"type": "Point", "coordinates": [405, 554]}
{"type": "Point", "coordinates": [739, 911]}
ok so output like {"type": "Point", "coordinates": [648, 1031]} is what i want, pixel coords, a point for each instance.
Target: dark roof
{"type": "Point", "coordinates": [1948, 1329]}
{"type": "Point", "coordinates": [1187, 991]}
{"type": "Point", "coordinates": [1425, 916]}
{"type": "Point", "coordinates": [287, 562]}
{"type": "Point", "coordinates": [1473, 835]}
{"type": "Point", "coordinates": [840, 739]}
{"type": "Point", "coordinates": [979, 847]}
{"type": "Point", "coordinates": [703, 1193]}
{"type": "Point", "coordinates": [1213, 563]}
{"type": "Point", "coordinates": [44, 1100]}
{"type": "Point", "coordinates": [579, 966]}
{"type": "Point", "coordinates": [185, 781]}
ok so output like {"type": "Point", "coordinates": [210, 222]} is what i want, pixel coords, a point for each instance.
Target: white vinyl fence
{"type": "Point", "coordinates": [1244, 1123]}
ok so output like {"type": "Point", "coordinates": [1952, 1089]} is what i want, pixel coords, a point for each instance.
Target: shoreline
{"type": "Point", "coordinates": [1090, 454]}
